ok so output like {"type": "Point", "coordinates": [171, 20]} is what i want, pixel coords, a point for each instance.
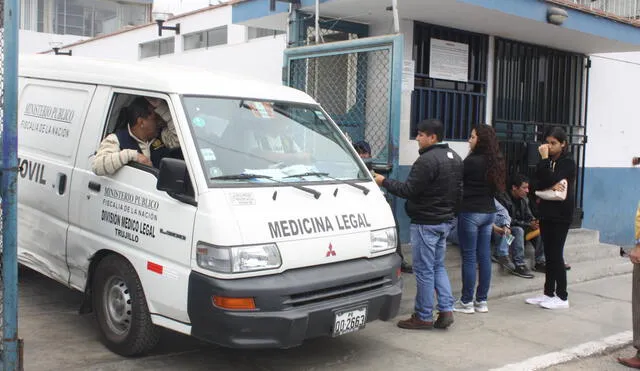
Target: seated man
{"type": "Point", "coordinates": [502, 239]}
{"type": "Point", "coordinates": [522, 222]}
{"type": "Point", "coordinates": [137, 140]}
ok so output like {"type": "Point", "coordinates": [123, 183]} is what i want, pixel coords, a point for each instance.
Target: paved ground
{"type": "Point", "coordinates": [511, 334]}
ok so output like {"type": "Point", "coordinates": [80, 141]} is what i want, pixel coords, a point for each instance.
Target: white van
{"type": "Point", "coordinates": [221, 242]}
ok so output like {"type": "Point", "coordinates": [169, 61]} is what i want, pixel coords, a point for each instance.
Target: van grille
{"type": "Point", "coordinates": [335, 292]}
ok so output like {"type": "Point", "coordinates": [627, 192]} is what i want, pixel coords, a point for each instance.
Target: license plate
{"type": "Point", "coordinates": [349, 321]}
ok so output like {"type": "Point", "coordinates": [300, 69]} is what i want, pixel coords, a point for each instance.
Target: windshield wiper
{"type": "Point", "coordinates": [242, 176]}
{"type": "Point", "coordinates": [364, 189]}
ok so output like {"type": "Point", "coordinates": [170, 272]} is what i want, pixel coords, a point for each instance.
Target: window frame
{"type": "Point", "coordinates": [205, 44]}
{"type": "Point", "coordinates": [158, 46]}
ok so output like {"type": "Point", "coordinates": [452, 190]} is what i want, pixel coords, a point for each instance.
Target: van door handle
{"type": "Point", "coordinates": [62, 183]}
{"type": "Point", "coordinates": [94, 186]}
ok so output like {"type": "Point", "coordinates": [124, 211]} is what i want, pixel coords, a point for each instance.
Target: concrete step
{"type": "Point", "coordinates": [572, 254]}
{"type": "Point", "coordinates": [581, 245]}
{"type": "Point", "coordinates": [582, 236]}
{"type": "Point", "coordinates": [504, 284]}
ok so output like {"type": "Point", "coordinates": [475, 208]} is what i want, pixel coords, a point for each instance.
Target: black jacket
{"type": "Point", "coordinates": [549, 173]}
{"type": "Point", "coordinates": [518, 208]}
{"type": "Point", "coordinates": [478, 194]}
{"type": "Point", "coordinates": [433, 188]}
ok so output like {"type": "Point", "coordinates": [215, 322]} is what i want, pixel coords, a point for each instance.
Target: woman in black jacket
{"type": "Point", "coordinates": [555, 216]}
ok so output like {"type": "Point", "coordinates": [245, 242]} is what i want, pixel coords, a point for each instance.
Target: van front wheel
{"type": "Point", "coordinates": [121, 308]}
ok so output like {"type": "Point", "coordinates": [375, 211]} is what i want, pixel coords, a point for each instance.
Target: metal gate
{"type": "Point", "coordinates": [537, 88]}
{"type": "Point", "coordinates": [458, 104]}
{"type": "Point", "coordinates": [358, 83]}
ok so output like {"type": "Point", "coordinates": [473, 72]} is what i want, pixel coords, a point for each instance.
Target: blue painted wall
{"type": "Point", "coordinates": [611, 197]}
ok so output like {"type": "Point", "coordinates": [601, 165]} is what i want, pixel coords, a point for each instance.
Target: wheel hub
{"type": "Point", "coordinates": [118, 305]}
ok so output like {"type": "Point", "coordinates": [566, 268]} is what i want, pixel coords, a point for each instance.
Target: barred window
{"type": "Point", "coordinates": [206, 38]}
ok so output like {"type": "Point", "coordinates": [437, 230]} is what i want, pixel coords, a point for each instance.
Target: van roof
{"type": "Point", "coordinates": [154, 76]}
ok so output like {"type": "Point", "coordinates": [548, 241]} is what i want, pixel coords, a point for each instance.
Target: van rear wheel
{"type": "Point", "coordinates": [121, 308]}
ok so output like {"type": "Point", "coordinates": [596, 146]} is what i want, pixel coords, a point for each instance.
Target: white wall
{"type": "Point", "coordinates": [613, 125]}
{"type": "Point", "coordinates": [259, 58]}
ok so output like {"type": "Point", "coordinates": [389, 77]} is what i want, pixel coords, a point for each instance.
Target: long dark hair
{"type": "Point", "coordinates": [487, 145]}
{"type": "Point", "coordinates": [139, 107]}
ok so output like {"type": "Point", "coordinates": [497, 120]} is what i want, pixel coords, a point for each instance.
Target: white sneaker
{"type": "Point", "coordinates": [536, 300]}
{"type": "Point", "coordinates": [464, 307]}
{"type": "Point", "coordinates": [481, 306]}
{"type": "Point", "coordinates": [555, 303]}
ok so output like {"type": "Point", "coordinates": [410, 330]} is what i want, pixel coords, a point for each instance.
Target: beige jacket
{"type": "Point", "coordinates": [110, 158]}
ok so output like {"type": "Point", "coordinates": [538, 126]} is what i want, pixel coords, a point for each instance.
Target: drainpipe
{"type": "Point", "coordinates": [295, 36]}
{"type": "Point", "coordinates": [396, 20]}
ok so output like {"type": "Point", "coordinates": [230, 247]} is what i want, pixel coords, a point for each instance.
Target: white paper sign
{"type": "Point", "coordinates": [449, 60]}
{"type": "Point", "coordinates": [408, 75]}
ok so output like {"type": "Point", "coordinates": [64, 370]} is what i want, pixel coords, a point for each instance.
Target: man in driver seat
{"type": "Point", "coordinates": [137, 139]}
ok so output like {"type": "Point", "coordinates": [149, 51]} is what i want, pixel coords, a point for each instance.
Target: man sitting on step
{"type": "Point", "coordinates": [502, 238]}
{"type": "Point", "coordinates": [523, 225]}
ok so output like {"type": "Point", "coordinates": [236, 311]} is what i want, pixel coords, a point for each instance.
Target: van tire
{"type": "Point", "coordinates": [121, 308]}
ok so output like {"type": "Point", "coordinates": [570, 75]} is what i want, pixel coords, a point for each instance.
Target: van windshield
{"type": "Point", "coordinates": [254, 141]}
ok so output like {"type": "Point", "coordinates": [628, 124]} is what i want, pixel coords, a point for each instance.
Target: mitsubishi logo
{"type": "Point", "coordinates": [331, 252]}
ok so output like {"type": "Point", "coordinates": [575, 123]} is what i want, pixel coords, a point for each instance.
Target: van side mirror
{"type": "Point", "coordinates": [173, 176]}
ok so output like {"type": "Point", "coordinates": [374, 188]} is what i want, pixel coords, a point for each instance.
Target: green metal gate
{"type": "Point", "coordinates": [358, 83]}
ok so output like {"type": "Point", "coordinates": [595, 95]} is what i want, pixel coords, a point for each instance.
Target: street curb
{"type": "Point", "coordinates": [591, 348]}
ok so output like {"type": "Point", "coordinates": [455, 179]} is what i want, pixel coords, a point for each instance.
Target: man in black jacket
{"type": "Point", "coordinates": [433, 191]}
{"type": "Point", "coordinates": [522, 223]}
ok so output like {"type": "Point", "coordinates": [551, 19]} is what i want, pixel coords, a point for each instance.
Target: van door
{"type": "Point", "coordinates": [51, 115]}
{"type": "Point", "coordinates": [125, 213]}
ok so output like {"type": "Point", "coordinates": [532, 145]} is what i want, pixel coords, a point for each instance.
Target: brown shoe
{"type": "Point", "coordinates": [633, 362]}
{"type": "Point", "coordinates": [445, 319]}
{"type": "Point", "coordinates": [415, 323]}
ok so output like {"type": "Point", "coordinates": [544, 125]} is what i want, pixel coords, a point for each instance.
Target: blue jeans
{"type": "Point", "coordinates": [474, 232]}
{"type": "Point", "coordinates": [429, 246]}
{"type": "Point", "coordinates": [500, 243]}
{"type": "Point", "coordinates": [517, 246]}
{"type": "Point", "coordinates": [517, 249]}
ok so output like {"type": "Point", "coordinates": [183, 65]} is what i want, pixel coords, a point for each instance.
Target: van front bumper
{"type": "Point", "coordinates": [294, 305]}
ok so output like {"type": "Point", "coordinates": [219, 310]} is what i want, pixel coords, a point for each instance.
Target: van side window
{"type": "Point", "coordinates": [139, 132]}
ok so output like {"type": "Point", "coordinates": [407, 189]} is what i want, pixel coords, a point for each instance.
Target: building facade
{"type": "Point", "coordinates": [519, 65]}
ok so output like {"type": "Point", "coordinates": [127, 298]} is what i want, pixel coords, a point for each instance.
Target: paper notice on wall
{"type": "Point", "coordinates": [408, 75]}
{"type": "Point", "coordinates": [449, 60]}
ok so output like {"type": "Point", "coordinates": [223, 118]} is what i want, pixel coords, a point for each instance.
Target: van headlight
{"type": "Point", "coordinates": [238, 259]}
{"type": "Point", "coordinates": [383, 239]}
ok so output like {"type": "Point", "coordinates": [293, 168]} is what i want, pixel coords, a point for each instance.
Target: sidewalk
{"type": "Point", "coordinates": [57, 338]}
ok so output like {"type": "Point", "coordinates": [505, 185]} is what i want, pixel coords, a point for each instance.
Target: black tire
{"type": "Point", "coordinates": [121, 308]}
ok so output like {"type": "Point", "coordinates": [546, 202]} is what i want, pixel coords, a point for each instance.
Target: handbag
{"type": "Point", "coordinates": [551, 195]}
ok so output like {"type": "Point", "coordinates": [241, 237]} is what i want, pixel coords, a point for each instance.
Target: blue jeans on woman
{"type": "Point", "coordinates": [474, 232]}
{"type": "Point", "coordinates": [429, 246]}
